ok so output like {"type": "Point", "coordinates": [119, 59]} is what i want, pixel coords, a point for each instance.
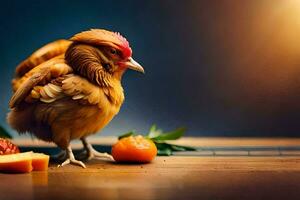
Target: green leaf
{"type": "Point", "coordinates": [166, 148]}
{"type": "Point", "coordinates": [154, 132]}
{"type": "Point", "coordinates": [163, 149]}
{"type": "Point", "coordinates": [173, 135]}
{"type": "Point", "coordinates": [162, 145]}
{"type": "Point", "coordinates": [126, 135]}
{"type": "Point", "coordinates": [4, 133]}
{"type": "Point", "coordinates": [177, 148]}
{"type": "Point", "coordinates": [164, 152]}
{"type": "Point", "coordinates": [183, 148]}
{"type": "Point", "coordinates": [152, 129]}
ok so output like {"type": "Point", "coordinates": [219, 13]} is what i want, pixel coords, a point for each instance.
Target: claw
{"type": "Point", "coordinates": [98, 155]}
{"type": "Point", "coordinates": [91, 153]}
{"type": "Point", "coordinates": [71, 159]}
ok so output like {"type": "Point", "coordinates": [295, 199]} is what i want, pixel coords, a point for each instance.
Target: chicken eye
{"type": "Point", "coordinates": [106, 66]}
{"type": "Point", "coordinates": [113, 51]}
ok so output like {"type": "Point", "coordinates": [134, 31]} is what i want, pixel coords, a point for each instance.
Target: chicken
{"type": "Point", "coordinates": [70, 89]}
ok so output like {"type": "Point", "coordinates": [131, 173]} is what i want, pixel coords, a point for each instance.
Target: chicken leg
{"type": "Point", "coordinates": [92, 153]}
{"type": "Point", "coordinates": [71, 159]}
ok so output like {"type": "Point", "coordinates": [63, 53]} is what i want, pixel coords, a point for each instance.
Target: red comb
{"type": "Point", "coordinates": [101, 36]}
{"type": "Point", "coordinates": [127, 52]}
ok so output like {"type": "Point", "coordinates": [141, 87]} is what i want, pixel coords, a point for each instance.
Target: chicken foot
{"type": "Point", "coordinates": [71, 159]}
{"type": "Point", "coordinates": [91, 153]}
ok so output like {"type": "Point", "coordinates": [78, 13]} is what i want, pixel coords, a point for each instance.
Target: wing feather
{"type": "Point", "coordinates": [26, 88]}
{"type": "Point", "coordinates": [37, 82]}
{"type": "Point", "coordinates": [81, 89]}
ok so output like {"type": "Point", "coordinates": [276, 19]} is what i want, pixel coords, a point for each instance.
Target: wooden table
{"type": "Point", "coordinates": [175, 177]}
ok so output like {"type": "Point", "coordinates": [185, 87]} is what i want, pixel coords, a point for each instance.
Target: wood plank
{"type": "Point", "coordinates": [165, 178]}
{"type": "Point", "coordinates": [175, 177]}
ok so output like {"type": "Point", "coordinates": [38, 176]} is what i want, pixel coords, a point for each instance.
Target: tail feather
{"type": "Point", "coordinates": [43, 54]}
{"type": "Point", "coordinates": [23, 122]}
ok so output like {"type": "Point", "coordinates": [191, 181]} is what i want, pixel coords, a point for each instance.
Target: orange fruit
{"type": "Point", "coordinates": [134, 149]}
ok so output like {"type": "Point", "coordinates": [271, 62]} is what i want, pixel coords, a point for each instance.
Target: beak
{"type": "Point", "coordinates": [132, 64]}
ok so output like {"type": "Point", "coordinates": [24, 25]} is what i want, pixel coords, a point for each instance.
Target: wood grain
{"type": "Point", "coordinates": [166, 178]}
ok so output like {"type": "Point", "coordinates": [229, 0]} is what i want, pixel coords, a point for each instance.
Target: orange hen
{"type": "Point", "coordinates": [70, 89]}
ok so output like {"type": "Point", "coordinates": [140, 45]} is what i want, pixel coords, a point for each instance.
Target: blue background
{"type": "Point", "coordinates": [220, 68]}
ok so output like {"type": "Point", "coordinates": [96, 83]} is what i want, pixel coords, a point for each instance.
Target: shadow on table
{"type": "Point", "coordinates": [56, 150]}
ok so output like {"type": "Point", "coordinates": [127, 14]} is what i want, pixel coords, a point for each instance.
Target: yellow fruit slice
{"type": "Point", "coordinates": [16, 163]}
{"type": "Point", "coordinates": [40, 161]}
{"type": "Point", "coordinates": [24, 162]}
